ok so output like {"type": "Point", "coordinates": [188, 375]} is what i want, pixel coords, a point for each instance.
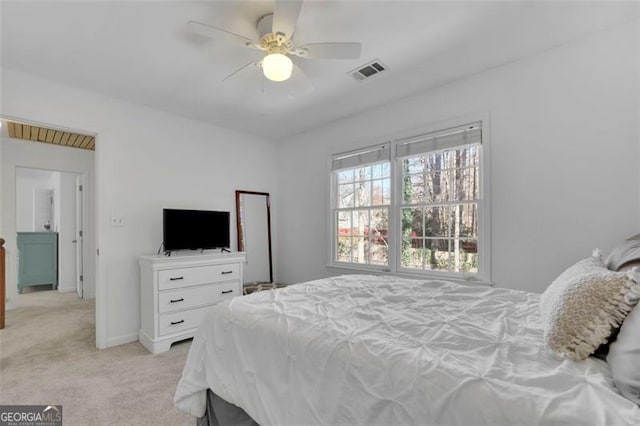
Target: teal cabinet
{"type": "Point", "coordinates": [38, 259]}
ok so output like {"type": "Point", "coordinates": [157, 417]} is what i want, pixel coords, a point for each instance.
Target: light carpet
{"type": "Point", "coordinates": [48, 356]}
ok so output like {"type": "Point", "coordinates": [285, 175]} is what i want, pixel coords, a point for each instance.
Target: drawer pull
{"type": "Point", "coordinates": [176, 278]}
{"type": "Point", "coordinates": [227, 291]}
{"type": "Point", "coordinates": [177, 322]}
{"type": "Point", "coordinates": [177, 300]}
{"type": "Point", "coordinates": [226, 272]}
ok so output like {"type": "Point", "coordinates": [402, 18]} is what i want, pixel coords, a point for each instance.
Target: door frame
{"type": "Point", "coordinates": [100, 269]}
{"type": "Point", "coordinates": [78, 233]}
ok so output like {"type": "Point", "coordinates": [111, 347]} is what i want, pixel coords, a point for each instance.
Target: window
{"type": "Point", "coordinates": [362, 198]}
{"type": "Point", "coordinates": [437, 213]}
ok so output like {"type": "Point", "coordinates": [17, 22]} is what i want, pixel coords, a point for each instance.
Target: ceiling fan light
{"type": "Point", "coordinates": [277, 67]}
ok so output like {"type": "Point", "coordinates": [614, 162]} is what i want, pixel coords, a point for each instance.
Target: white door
{"type": "Point", "coordinates": [79, 237]}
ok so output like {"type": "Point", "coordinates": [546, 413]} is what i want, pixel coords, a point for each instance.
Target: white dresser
{"type": "Point", "coordinates": [177, 291]}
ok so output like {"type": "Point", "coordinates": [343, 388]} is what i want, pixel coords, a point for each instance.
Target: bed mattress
{"type": "Point", "coordinates": [360, 349]}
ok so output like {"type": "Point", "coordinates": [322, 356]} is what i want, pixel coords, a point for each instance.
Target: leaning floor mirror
{"type": "Point", "coordinates": [253, 216]}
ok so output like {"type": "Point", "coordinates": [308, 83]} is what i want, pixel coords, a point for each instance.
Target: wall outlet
{"type": "Point", "coordinates": [117, 221]}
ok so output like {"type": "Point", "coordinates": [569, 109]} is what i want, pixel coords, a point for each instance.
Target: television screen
{"type": "Point", "coordinates": [195, 229]}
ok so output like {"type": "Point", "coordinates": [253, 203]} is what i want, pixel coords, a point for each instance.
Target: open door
{"type": "Point", "coordinates": [79, 237]}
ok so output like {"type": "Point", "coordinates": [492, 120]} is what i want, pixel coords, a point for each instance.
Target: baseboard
{"type": "Point", "coordinates": [121, 340]}
{"type": "Point", "coordinates": [66, 289]}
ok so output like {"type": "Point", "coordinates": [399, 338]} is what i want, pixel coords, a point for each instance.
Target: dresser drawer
{"type": "Point", "coordinates": [183, 277]}
{"type": "Point", "coordinates": [186, 298]}
{"type": "Point", "coordinates": [181, 321]}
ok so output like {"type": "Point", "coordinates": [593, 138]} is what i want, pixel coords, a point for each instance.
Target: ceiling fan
{"type": "Point", "coordinates": [275, 32]}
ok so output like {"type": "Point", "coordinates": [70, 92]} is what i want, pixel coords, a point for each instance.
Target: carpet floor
{"type": "Point", "coordinates": [48, 356]}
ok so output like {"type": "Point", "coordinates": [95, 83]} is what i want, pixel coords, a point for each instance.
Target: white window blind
{"type": "Point", "coordinates": [445, 139]}
{"type": "Point", "coordinates": [370, 155]}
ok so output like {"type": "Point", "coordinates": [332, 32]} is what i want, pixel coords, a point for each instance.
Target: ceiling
{"type": "Point", "coordinates": [140, 51]}
{"type": "Point", "coordinates": [47, 135]}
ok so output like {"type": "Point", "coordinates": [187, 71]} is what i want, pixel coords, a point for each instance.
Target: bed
{"type": "Point", "coordinates": [361, 349]}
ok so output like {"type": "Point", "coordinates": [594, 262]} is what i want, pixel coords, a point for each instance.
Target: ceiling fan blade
{"type": "Point", "coordinates": [212, 32]}
{"type": "Point", "coordinates": [329, 50]}
{"type": "Point", "coordinates": [285, 16]}
{"type": "Point", "coordinates": [300, 82]}
{"type": "Point", "coordinates": [255, 63]}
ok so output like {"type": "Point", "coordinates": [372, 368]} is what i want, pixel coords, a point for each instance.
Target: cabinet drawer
{"type": "Point", "coordinates": [181, 321]}
{"type": "Point", "coordinates": [183, 277]}
{"type": "Point", "coordinates": [186, 298]}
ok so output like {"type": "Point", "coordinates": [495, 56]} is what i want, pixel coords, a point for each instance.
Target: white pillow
{"type": "Point", "coordinates": [582, 307]}
{"type": "Point", "coordinates": [628, 251]}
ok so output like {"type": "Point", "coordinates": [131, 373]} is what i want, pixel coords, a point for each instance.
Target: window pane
{"type": "Point", "coordinates": [465, 182]}
{"type": "Point", "coordinates": [413, 222]}
{"type": "Point", "coordinates": [412, 253]}
{"type": "Point", "coordinates": [363, 173]}
{"type": "Point", "coordinates": [465, 220]}
{"type": "Point", "coordinates": [413, 186]}
{"type": "Point", "coordinates": [437, 254]}
{"type": "Point", "coordinates": [379, 248]}
{"type": "Point", "coordinates": [378, 192]}
{"type": "Point", "coordinates": [345, 196]}
{"type": "Point", "coordinates": [359, 250]}
{"type": "Point", "coordinates": [343, 252]}
{"type": "Point", "coordinates": [344, 224]}
{"type": "Point", "coordinates": [386, 191]}
{"type": "Point", "coordinates": [437, 186]}
{"type": "Point", "coordinates": [436, 161]}
{"type": "Point", "coordinates": [386, 169]}
{"type": "Point", "coordinates": [345, 176]}
{"type": "Point", "coordinates": [363, 194]}
{"type": "Point", "coordinates": [436, 221]}
{"type": "Point", "coordinates": [467, 156]}
{"type": "Point", "coordinates": [361, 222]}
{"type": "Point", "coordinates": [413, 165]}
{"type": "Point", "coordinates": [465, 256]}
{"type": "Point", "coordinates": [376, 171]}
{"type": "Point", "coordinates": [379, 223]}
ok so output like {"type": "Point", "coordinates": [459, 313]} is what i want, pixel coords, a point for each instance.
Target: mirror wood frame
{"type": "Point", "coordinates": [240, 227]}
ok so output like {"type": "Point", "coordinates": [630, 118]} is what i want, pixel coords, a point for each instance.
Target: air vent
{"type": "Point", "coordinates": [369, 70]}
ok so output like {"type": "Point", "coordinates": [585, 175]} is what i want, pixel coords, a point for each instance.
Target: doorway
{"type": "Point", "coordinates": [49, 226]}
{"type": "Point", "coordinates": [30, 145]}
{"type": "Point", "coordinates": [49, 208]}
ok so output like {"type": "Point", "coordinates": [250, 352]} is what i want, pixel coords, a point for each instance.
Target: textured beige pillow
{"type": "Point", "coordinates": [584, 305]}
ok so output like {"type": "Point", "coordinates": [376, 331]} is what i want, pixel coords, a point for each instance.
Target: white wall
{"type": "Point", "coordinates": [145, 160]}
{"type": "Point", "coordinates": [28, 183]}
{"type": "Point", "coordinates": [564, 153]}
{"type": "Point", "coordinates": [18, 154]}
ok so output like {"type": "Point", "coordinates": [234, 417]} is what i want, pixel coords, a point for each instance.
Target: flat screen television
{"type": "Point", "coordinates": [195, 229]}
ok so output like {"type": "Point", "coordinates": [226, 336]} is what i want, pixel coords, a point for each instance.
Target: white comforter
{"type": "Point", "coordinates": [390, 351]}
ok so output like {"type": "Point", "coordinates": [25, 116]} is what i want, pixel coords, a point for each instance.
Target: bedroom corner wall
{"type": "Point", "coordinates": [564, 151]}
{"type": "Point", "coordinates": [145, 160]}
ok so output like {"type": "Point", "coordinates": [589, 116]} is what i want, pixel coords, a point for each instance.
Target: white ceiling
{"type": "Point", "coordinates": [139, 51]}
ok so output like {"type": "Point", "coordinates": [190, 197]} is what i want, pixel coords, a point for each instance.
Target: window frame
{"type": "Point", "coordinates": [395, 208]}
{"type": "Point", "coordinates": [334, 209]}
